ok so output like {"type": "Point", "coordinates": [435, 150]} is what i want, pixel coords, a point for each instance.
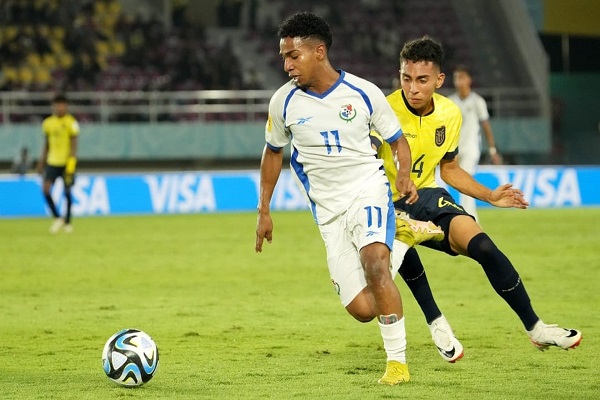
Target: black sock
{"type": "Point", "coordinates": [503, 277]}
{"type": "Point", "coordinates": [413, 273]}
{"type": "Point", "coordinates": [51, 205]}
{"type": "Point", "coordinates": [69, 198]}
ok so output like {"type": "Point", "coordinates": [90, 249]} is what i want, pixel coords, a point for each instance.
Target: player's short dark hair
{"type": "Point", "coordinates": [306, 25]}
{"type": "Point", "coordinates": [59, 98]}
{"type": "Point", "coordinates": [423, 49]}
{"type": "Point", "coordinates": [463, 68]}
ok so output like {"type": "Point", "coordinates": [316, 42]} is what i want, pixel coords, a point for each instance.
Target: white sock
{"type": "Point", "coordinates": [399, 249]}
{"type": "Point", "coordinates": [394, 340]}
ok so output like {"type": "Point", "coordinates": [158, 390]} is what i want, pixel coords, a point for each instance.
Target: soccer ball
{"type": "Point", "coordinates": [130, 357]}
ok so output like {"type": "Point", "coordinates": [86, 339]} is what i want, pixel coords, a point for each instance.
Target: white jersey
{"type": "Point", "coordinates": [331, 153]}
{"type": "Point", "coordinates": [474, 111]}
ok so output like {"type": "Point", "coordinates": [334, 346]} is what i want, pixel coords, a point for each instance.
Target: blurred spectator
{"type": "Point", "coordinates": [22, 163]}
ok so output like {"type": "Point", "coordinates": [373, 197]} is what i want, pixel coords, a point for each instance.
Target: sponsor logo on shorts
{"type": "Point", "coordinates": [443, 203]}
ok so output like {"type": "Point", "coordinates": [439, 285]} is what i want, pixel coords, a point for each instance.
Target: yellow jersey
{"type": "Point", "coordinates": [431, 138]}
{"type": "Point", "coordinates": [58, 132]}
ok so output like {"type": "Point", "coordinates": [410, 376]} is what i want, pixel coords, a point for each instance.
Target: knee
{"type": "Point", "coordinates": [377, 267]}
{"type": "Point", "coordinates": [481, 245]}
{"type": "Point", "coordinates": [377, 274]}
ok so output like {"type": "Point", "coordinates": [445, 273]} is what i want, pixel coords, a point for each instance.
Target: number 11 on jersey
{"type": "Point", "coordinates": [336, 136]}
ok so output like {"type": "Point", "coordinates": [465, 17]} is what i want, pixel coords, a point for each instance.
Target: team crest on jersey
{"type": "Point", "coordinates": [347, 113]}
{"type": "Point", "coordinates": [440, 136]}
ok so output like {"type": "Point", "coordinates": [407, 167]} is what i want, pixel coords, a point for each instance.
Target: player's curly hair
{"type": "Point", "coordinates": [306, 25]}
{"type": "Point", "coordinates": [423, 49]}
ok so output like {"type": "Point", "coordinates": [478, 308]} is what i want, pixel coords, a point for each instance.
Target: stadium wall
{"type": "Point", "coordinates": [237, 191]}
{"type": "Point", "coordinates": [122, 142]}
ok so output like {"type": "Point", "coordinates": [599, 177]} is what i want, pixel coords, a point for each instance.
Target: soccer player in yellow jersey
{"type": "Point", "coordinates": [431, 124]}
{"type": "Point", "coordinates": [59, 158]}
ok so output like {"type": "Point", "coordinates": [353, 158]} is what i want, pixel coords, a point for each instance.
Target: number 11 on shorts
{"type": "Point", "coordinates": [373, 210]}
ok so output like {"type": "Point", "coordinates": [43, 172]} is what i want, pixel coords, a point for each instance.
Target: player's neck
{"type": "Point", "coordinates": [463, 94]}
{"type": "Point", "coordinates": [327, 79]}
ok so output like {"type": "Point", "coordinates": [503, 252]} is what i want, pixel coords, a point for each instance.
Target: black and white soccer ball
{"type": "Point", "coordinates": [130, 357]}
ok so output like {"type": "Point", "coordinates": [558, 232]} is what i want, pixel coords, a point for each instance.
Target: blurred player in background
{"type": "Point", "coordinates": [431, 124]}
{"type": "Point", "coordinates": [325, 114]}
{"type": "Point", "coordinates": [59, 158]}
{"type": "Point", "coordinates": [474, 116]}
{"type": "Point", "coordinates": [22, 163]}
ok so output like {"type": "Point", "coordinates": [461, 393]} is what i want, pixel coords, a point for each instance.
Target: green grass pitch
{"type": "Point", "coordinates": [232, 324]}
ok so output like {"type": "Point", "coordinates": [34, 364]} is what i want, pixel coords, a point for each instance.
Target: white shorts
{"type": "Point", "coordinates": [369, 219]}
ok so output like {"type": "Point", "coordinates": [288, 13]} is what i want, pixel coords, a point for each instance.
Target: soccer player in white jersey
{"type": "Point", "coordinates": [326, 116]}
{"type": "Point", "coordinates": [474, 115]}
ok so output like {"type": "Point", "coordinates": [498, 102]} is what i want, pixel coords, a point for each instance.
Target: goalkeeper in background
{"type": "Point", "coordinates": [59, 158]}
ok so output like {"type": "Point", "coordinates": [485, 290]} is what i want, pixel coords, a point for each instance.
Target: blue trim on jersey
{"type": "Point", "coordinates": [390, 232]}
{"type": "Point", "coordinates": [363, 95]}
{"type": "Point", "coordinates": [395, 137]}
{"type": "Point", "coordinates": [274, 148]}
{"type": "Point", "coordinates": [287, 100]}
{"type": "Point", "coordinates": [331, 89]}
{"type": "Point", "coordinates": [298, 168]}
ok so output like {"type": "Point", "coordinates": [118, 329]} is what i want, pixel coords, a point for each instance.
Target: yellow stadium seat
{"type": "Point", "coordinates": [41, 76]}
{"type": "Point", "coordinates": [10, 74]}
{"type": "Point", "coordinates": [10, 32]}
{"type": "Point", "coordinates": [58, 33]}
{"type": "Point", "coordinates": [25, 75]}
{"type": "Point", "coordinates": [33, 60]}
{"type": "Point", "coordinates": [56, 46]}
{"type": "Point", "coordinates": [114, 8]}
{"type": "Point", "coordinates": [102, 47]}
{"type": "Point", "coordinates": [49, 61]}
{"type": "Point", "coordinates": [65, 60]}
{"type": "Point", "coordinates": [117, 47]}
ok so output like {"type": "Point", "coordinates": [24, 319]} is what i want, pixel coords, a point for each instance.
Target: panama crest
{"type": "Point", "coordinates": [347, 113]}
{"type": "Point", "coordinates": [440, 136]}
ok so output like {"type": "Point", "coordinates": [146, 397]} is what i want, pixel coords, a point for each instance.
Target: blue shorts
{"type": "Point", "coordinates": [52, 172]}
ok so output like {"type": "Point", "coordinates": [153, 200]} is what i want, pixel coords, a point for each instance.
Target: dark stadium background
{"type": "Point", "coordinates": [136, 69]}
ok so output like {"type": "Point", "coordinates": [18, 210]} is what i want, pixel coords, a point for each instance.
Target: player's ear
{"type": "Point", "coordinates": [321, 52]}
{"type": "Point", "coordinates": [440, 80]}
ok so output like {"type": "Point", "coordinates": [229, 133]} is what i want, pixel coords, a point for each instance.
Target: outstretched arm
{"type": "Point", "coordinates": [503, 196]}
{"type": "Point", "coordinates": [270, 168]}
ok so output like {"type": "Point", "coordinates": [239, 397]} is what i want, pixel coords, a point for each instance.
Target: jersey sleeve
{"type": "Point", "coordinates": [453, 127]}
{"type": "Point", "coordinates": [482, 111]}
{"type": "Point", "coordinates": [74, 127]}
{"type": "Point", "coordinates": [383, 119]}
{"type": "Point", "coordinates": [45, 127]}
{"type": "Point", "coordinates": [376, 140]}
{"type": "Point", "coordinates": [276, 134]}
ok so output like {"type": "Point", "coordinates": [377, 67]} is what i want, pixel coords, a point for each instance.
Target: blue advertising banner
{"type": "Point", "coordinates": [199, 192]}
